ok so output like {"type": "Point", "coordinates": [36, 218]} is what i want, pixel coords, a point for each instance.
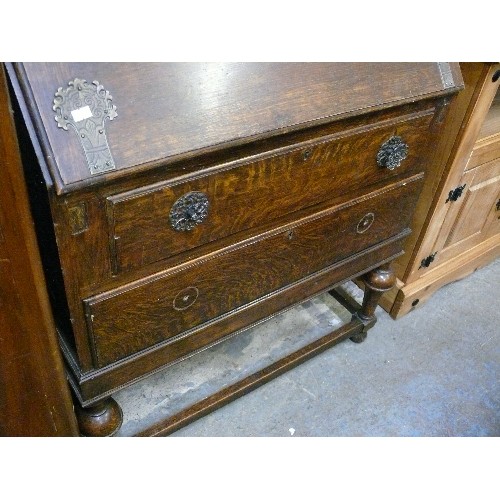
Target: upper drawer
{"type": "Point", "coordinates": [243, 195]}
{"type": "Point", "coordinates": [175, 301]}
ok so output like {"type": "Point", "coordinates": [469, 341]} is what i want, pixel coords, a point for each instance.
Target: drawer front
{"type": "Point", "coordinates": [241, 197]}
{"type": "Point", "coordinates": [174, 302]}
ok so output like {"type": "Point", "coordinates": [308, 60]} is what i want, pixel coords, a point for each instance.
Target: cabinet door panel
{"type": "Point", "coordinates": [476, 213]}
{"type": "Point", "coordinates": [448, 231]}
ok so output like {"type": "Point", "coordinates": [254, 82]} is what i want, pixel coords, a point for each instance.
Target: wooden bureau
{"type": "Point", "coordinates": [177, 204]}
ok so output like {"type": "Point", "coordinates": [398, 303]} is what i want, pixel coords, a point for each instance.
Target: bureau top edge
{"type": "Point", "coordinates": [99, 122]}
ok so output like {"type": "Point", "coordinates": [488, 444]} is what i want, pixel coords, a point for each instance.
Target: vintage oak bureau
{"type": "Point", "coordinates": [177, 204]}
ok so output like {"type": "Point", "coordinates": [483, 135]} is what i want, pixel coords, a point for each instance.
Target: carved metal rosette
{"type": "Point", "coordinates": [85, 107]}
{"type": "Point", "coordinates": [188, 211]}
{"type": "Point", "coordinates": [392, 153]}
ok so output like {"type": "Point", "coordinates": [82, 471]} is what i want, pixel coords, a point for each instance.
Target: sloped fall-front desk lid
{"type": "Point", "coordinates": [99, 121]}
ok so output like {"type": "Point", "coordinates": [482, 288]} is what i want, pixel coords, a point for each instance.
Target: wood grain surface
{"type": "Point", "coordinates": [170, 110]}
{"type": "Point", "coordinates": [287, 156]}
{"type": "Point", "coordinates": [34, 394]}
{"type": "Point", "coordinates": [126, 320]}
{"type": "Point", "coordinates": [259, 192]}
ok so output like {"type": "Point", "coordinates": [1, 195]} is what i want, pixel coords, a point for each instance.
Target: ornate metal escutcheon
{"type": "Point", "coordinates": [85, 107]}
{"type": "Point", "coordinates": [188, 211]}
{"type": "Point", "coordinates": [392, 153]}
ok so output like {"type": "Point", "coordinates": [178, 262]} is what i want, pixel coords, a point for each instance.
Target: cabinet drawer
{"type": "Point", "coordinates": [176, 301]}
{"type": "Point", "coordinates": [242, 196]}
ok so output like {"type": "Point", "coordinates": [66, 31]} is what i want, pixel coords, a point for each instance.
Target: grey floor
{"type": "Point", "coordinates": [434, 372]}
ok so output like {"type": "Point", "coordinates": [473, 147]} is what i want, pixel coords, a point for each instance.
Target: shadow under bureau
{"type": "Point", "coordinates": [177, 204]}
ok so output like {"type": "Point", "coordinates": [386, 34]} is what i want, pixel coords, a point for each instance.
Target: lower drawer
{"type": "Point", "coordinates": [175, 302]}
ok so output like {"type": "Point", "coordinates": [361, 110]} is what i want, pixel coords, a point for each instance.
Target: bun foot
{"type": "Point", "coordinates": [99, 420]}
{"type": "Point", "coordinates": [359, 337]}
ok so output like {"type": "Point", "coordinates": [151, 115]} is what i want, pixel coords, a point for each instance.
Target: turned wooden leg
{"type": "Point", "coordinates": [376, 282]}
{"type": "Point", "coordinates": [99, 420]}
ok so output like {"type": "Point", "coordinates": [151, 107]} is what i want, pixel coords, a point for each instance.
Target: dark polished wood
{"type": "Point", "coordinates": [105, 380]}
{"type": "Point", "coordinates": [376, 282]}
{"type": "Point", "coordinates": [247, 196]}
{"type": "Point", "coordinates": [143, 313]}
{"type": "Point", "coordinates": [181, 108]}
{"type": "Point", "coordinates": [34, 394]}
{"type": "Point", "coordinates": [284, 160]}
{"type": "Point", "coordinates": [100, 420]}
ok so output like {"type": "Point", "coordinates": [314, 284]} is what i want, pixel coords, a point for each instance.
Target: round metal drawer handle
{"type": "Point", "coordinates": [188, 211]}
{"type": "Point", "coordinates": [186, 298]}
{"type": "Point", "coordinates": [392, 153]}
{"type": "Point", "coordinates": [365, 223]}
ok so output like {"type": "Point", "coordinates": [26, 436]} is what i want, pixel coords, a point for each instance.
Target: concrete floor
{"type": "Point", "coordinates": [434, 372]}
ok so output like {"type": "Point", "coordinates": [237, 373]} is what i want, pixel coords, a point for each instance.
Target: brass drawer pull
{"type": "Point", "coordinates": [188, 211]}
{"type": "Point", "coordinates": [392, 153]}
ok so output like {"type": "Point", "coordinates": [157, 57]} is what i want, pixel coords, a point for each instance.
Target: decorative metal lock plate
{"type": "Point", "coordinates": [85, 107]}
{"type": "Point", "coordinates": [188, 211]}
{"type": "Point", "coordinates": [392, 153]}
